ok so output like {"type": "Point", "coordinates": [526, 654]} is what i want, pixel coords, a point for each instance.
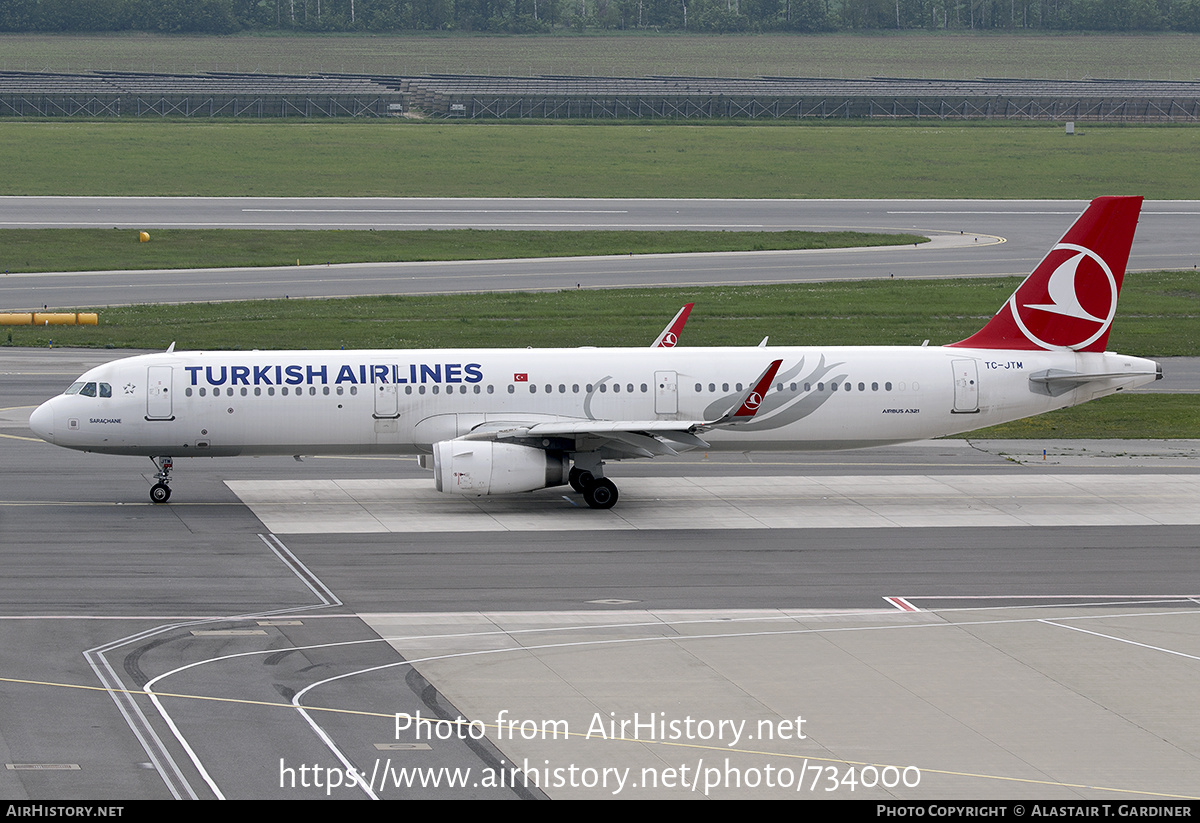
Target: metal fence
{"type": "Point", "coordinates": [125, 94]}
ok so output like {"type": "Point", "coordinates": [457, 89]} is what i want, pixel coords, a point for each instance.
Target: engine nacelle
{"type": "Point", "coordinates": [479, 467]}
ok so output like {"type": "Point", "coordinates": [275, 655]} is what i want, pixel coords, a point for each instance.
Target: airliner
{"type": "Point", "coordinates": [503, 421]}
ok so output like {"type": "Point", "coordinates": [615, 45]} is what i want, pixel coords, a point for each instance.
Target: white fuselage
{"type": "Point", "coordinates": [403, 401]}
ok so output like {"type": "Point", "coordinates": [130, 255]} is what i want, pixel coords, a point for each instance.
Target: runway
{"type": "Point", "coordinates": [214, 648]}
{"type": "Point", "coordinates": [970, 238]}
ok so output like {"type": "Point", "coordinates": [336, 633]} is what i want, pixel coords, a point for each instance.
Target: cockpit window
{"type": "Point", "coordinates": [90, 389]}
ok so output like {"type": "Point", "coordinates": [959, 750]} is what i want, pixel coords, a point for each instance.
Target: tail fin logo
{"type": "Point", "coordinates": [1074, 306]}
{"type": "Point", "coordinates": [669, 340]}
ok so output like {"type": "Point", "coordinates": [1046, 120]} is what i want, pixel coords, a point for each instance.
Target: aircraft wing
{"type": "Point", "coordinates": [628, 438]}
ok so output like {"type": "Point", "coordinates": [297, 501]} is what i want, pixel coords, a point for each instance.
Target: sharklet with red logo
{"type": "Point", "coordinates": [1070, 300]}
{"type": "Point", "coordinates": [748, 404]}
{"type": "Point", "coordinates": [669, 338]}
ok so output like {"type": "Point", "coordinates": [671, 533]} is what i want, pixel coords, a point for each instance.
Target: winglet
{"type": "Point", "coordinates": [748, 404]}
{"type": "Point", "coordinates": [753, 398]}
{"type": "Point", "coordinates": [670, 335]}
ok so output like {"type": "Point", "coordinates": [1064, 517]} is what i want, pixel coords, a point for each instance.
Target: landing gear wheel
{"type": "Point", "coordinates": [580, 479]}
{"type": "Point", "coordinates": [160, 493]}
{"type": "Point", "coordinates": [602, 494]}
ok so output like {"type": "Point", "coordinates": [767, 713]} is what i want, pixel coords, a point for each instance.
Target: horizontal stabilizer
{"type": "Point", "coordinates": [1056, 382]}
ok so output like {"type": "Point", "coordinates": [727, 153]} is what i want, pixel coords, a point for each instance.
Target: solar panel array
{"type": "Point", "coordinates": [557, 97]}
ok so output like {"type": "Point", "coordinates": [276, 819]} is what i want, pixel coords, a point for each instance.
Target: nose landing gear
{"type": "Point", "coordinates": [160, 492]}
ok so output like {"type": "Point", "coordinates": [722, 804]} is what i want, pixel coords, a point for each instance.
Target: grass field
{"type": "Point", "coordinates": [1157, 318]}
{"type": "Point", "coordinates": [1122, 416]}
{"type": "Point", "coordinates": [107, 249]}
{"type": "Point", "coordinates": [522, 160]}
{"type": "Point", "coordinates": [961, 55]}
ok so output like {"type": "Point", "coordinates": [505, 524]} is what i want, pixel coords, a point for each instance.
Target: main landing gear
{"type": "Point", "coordinates": [598, 492]}
{"type": "Point", "coordinates": [160, 492]}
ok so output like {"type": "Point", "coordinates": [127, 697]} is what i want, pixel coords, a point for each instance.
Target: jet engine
{"type": "Point", "coordinates": [479, 467]}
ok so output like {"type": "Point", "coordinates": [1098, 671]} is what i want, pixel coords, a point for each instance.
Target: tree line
{"type": "Point", "coordinates": [529, 16]}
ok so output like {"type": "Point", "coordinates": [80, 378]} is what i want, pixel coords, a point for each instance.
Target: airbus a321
{"type": "Point", "coordinates": [501, 421]}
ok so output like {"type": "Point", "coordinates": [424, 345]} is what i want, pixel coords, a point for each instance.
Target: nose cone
{"type": "Point", "coordinates": [42, 422]}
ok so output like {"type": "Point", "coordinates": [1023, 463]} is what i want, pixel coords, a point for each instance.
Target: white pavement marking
{"type": "Point", "coordinates": [777, 502]}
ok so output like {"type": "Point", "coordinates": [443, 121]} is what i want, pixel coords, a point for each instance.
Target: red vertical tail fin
{"type": "Point", "coordinates": [1071, 298]}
